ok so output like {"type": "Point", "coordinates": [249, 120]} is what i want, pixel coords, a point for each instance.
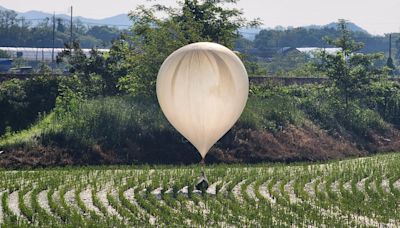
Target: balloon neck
{"type": "Point", "coordinates": [202, 164]}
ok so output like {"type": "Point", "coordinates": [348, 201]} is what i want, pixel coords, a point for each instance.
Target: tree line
{"type": "Point", "coordinates": [269, 41]}
{"type": "Point", "coordinates": [312, 37]}
{"type": "Point", "coordinates": [18, 32]}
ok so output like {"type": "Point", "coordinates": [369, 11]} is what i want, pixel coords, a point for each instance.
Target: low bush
{"type": "Point", "coordinates": [107, 121]}
{"type": "Point", "coordinates": [21, 101]}
{"type": "Point", "coordinates": [111, 121]}
{"type": "Point", "coordinates": [321, 105]}
{"type": "Point", "coordinates": [270, 110]}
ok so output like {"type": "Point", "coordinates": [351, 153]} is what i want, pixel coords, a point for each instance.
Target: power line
{"type": "Point", "coordinates": [94, 23]}
{"type": "Point", "coordinates": [54, 37]}
{"type": "Point", "coordinates": [76, 20]}
{"type": "Point", "coordinates": [71, 41]}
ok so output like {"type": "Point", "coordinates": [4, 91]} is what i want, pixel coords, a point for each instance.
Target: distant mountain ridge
{"type": "Point", "coordinates": [123, 21]}
{"type": "Point", "coordinates": [120, 20]}
{"type": "Point", "coordinates": [350, 25]}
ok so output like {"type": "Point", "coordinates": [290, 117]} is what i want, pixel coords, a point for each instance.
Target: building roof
{"type": "Point", "coordinates": [285, 50]}
{"type": "Point", "coordinates": [311, 51]}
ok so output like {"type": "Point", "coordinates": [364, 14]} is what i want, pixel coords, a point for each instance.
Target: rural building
{"type": "Point", "coordinates": [311, 51]}
{"type": "Point", "coordinates": [268, 53]}
{"type": "Point", "coordinates": [286, 50]}
{"type": "Point", "coordinates": [5, 65]}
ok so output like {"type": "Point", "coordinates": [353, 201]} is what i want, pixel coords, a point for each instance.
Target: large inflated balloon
{"type": "Point", "coordinates": [202, 89]}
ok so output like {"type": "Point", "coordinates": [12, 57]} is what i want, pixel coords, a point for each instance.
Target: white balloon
{"type": "Point", "coordinates": [202, 89]}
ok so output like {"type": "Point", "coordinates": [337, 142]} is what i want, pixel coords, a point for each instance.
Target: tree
{"type": "Point", "coordinates": [155, 38]}
{"type": "Point", "coordinates": [398, 49]}
{"type": "Point", "coordinates": [60, 25]}
{"type": "Point", "coordinates": [268, 39]}
{"type": "Point", "coordinates": [352, 73]}
{"type": "Point", "coordinates": [22, 100]}
{"type": "Point", "coordinates": [133, 61]}
{"type": "Point", "coordinates": [105, 33]}
{"type": "Point", "coordinates": [4, 54]}
{"type": "Point", "coordinates": [390, 64]}
{"type": "Point", "coordinates": [94, 71]}
{"type": "Point", "coordinates": [15, 31]}
{"type": "Point", "coordinates": [345, 41]}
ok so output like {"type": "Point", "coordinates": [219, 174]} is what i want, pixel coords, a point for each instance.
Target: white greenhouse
{"type": "Point", "coordinates": [39, 54]}
{"type": "Point", "coordinates": [312, 51]}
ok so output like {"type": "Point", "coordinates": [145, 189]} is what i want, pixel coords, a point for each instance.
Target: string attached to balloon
{"type": "Point", "coordinates": [202, 89]}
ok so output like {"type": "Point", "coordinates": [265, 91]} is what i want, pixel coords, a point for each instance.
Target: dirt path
{"type": "Point", "coordinates": [86, 197]}
{"type": "Point", "coordinates": [1, 209]}
{"type": "Point", "coordinates": [13, 204]}
{"type": "Point", "coordinates": [102, 195]}
{"type": "Point", "coordinates": [130, 195]}
{"type": "Point", "coordinates": [71, 201]}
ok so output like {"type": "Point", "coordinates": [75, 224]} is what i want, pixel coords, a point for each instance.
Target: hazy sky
{"type": "Point", "coordinates": [378, 17]}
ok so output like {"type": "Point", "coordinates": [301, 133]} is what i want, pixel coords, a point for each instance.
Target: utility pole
{"type": "Point", "coordinates": [71, 35]}
{"type": "Point", "coordinates": [54, 36]}
{"type": "Point", "coordinates": [390, 45]}
{"type": "Point", "coordinates": [389, 62]}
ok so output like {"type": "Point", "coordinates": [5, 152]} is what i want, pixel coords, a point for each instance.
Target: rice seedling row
{"type": "Point", "coordinates": [361, 192]}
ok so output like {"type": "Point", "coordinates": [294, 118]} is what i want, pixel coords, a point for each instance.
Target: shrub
{"type": "Point", "coordinates": [271, 107]}
{"type": "Point", "coordinates": [21, 101]}
{"type": "Point", "coordinates": [384, 97]}
{"type": "Point", "coordinates": [107, 121]}
{"type": "Point", "coordinates": [323, 107]}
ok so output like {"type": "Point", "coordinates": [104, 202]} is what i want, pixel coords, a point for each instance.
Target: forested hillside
{"type": "Point", "coordinates": [17, 32]}
{"type": "Point", "coordinates": [314, 37]}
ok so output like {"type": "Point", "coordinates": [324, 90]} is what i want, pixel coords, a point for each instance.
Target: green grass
{"type": "Point", "coordinates": [28, 137]}
{"type": "Point", "coordinates": [111, 121]}
{"type": "Point", "coordinates": [242, 198]}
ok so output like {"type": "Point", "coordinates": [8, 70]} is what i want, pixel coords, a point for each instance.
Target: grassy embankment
{"type": "Point", "coordinates": [128, 129]}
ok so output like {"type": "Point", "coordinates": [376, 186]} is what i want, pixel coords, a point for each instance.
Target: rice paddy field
{"type": "Point", "coordinates": [362, 192]}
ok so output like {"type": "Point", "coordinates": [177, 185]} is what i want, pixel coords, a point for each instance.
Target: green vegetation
{"type": "Point", "coordinates": [99, 112]}
{"type": "Point", "coordinates": [195, 21]}
{"type": "Point", "coordinates": [22, 100]}
{"type": "Point", "coordinates": [18, 32]}
{"type": "Point", "coordinates": [127, 128]}
{"type": "Point", "coordinates": [292, 65]}
{"type": "Point", "coordinates": [156, 38]}
{"type": "Point", "coordinates": [268, 49]}
{"type": "Point", "coordinates": [398, 49]}
{"type": "Point", "coordinates": [313, 37]}
{"type": "Point", "coordinates": [106, 113]}
{"type": "Point", "coordinates": [111, 121]}
{"type": "Point", "coordinates": [351, 193]}
{"type": "Point", "coordinates": [4, 54]}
